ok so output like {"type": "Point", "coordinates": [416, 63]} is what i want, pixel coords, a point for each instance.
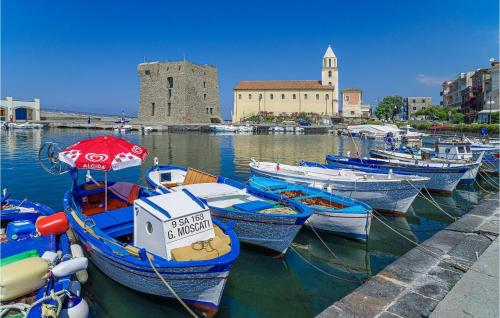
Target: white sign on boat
{"type": "Point", "coordinates": [168, 221]}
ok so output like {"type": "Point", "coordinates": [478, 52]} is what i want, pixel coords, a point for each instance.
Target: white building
{"type": "Point", "coordinates": [19, 110]}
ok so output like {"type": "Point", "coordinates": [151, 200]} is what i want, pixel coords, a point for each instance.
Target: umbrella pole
{"type": "Point", "coordinates": [105, 191]}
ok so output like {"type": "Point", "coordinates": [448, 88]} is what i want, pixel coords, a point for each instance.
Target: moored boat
{"type": "Point", "coordinates": [331, 213]}
{"type": "Point", "coordinates": [261, 219]}
{"type": "Point", "coordinates": [164, 245]}
{"type": "Point", "coordinates": [382, 190]}
{"type": "Point", "coordinates": [442, 179]}
{"type": "Point", "coordinates": [37, 263]}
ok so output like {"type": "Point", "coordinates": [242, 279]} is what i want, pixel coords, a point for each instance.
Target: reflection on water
{"type": "Point", "coordinates": [258, 286]}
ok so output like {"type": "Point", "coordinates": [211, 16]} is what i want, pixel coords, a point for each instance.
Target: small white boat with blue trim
{"type": "Point", "coordinates": [262, 219]}
{"type": "Point", "coordinates": [331, 213]}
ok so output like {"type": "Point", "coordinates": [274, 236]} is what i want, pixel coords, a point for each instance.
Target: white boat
{"type": "Point", "coordinates": [383, 191]}
{"type": "Point", "coordinates": [374, 131]}
{"type": "Point", "coordinates": [409, 131]}
{"type": "Point", "coordinates": [122, 128]}
{"type": "Point", "coordinates": [223, 128]}
{"type": "Point", "coordinates": [299, 130]}
{"type": "Point", "coordinates": [276, 129]}
{"type": "Point", "coordinates": [289, 128]}
{"type": "Point", "coordinates": [245, 129]}
{"type": "Point", "coordinates": [25, 125]}
{"type": "Point", "coordinates": [147, 129]}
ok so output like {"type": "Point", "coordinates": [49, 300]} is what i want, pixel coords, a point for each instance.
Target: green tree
{"type": "Point", "coordinates": [495, 117]}
{"type": "Point", "coordinates": [389, 107]}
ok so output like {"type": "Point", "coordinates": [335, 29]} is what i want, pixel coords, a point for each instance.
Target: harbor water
{"type": "Point", "coordinates": [303, 283]}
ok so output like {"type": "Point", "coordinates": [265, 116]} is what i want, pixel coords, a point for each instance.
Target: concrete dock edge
{"type": "Point", "coordinates": [416, 283]}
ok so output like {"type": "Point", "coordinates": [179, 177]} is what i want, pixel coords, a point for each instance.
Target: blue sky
{"type": "Point", "coordinates": [83, 55]}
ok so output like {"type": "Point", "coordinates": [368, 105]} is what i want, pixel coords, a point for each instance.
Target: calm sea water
{"type": "Point", "coordinates": [259, 285]}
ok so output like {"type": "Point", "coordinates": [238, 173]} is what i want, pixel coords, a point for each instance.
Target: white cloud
{"type": "Point", "coordinates": [431, 80]}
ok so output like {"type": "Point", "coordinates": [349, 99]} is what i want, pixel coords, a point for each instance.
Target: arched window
{"type": "Point", "coordinates": [294, 96]}
{"type": "Point", "coordinates": [305, 96]}
{"type": "Point", "coordinates": [272, 96]}
{"type": "Point", "coordinates": [239, 96]}
{"type": "Point", "coordinates": [249, 96]}
{"type": "Point", "coordinates": [282, 96]}
{"type": "Point", "coordinates": [329, 62]}
{"type": "Point", "coordinates": [329, 73]}
{"type": "Point", "coordinates": [317, 96]}
{"type": "Point", "coordinates": [327, 97]}
{"type": "Point", "coordinates": [260, 96]}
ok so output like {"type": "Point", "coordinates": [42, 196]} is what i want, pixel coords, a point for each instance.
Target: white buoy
{"type": "Point", "coordinates": [77, 251]}
{"type": "Point", "coordinates": [74, 307]}
{"type": "Point", "coordinates": [70, 266]}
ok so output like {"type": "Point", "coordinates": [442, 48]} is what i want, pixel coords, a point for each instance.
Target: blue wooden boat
{"type": "Point", "coordinates": [144, 257]}
{"type": "Point", "coordinates": [262, 219]}
{"type": "Point", "coordinates": [34, 263]}
{"type": "Point", "coordinates": [331, 213]}
{"type": "Point", "coordinates": [442, 179]}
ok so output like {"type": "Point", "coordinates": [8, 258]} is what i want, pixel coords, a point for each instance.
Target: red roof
{"type": "Point", "coordinates": [351, 89]}
{"type": "Point", "coordinates": [284, 85]}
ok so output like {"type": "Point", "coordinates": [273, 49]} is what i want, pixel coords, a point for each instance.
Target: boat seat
{"type": "Point", "coordinates": [205, 250]}
{"type": "Point", "coordinates": [194, 176]}
{"type": "Point", "coordinates": [115, 223]}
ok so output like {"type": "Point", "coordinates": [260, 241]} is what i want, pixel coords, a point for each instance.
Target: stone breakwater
{"type": "Point", "coordinates": [415, 284]}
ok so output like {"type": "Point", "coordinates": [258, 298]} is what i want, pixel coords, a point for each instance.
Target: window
{"type": "Point", "coordinates": [179, 67]}
{"type": "Point", "coordinates": [330, 75]}
{"type": "Point", "coordinates": [329, 83]}
{"type": "Point", "coordinates": [461, 149]}
{"type": "Point", "coordinates": [282, 96]}
{"type": "Point", "coordinates": [330, 65]}
{"type": "Point", "coordinates": [346, 98]}
{"type": "Point", "coordinates": [305, 96]}
{"type": "Point", "coordinates": [414, 100]}
{"type": "Point", "coordinates": [327, 97]}
{"type": "Point", "coordinates": [352, 112]}
{"type": "Point", "coordinates": [152, 109]}
{"type": "Point", "coordinates": [317, 96]}
{"type": "Point", "coordinates": [204, 96]}
{"type": "Point", "coordinates": [239, 96]}
{"type": "Point", "coordinates": [260, 96]}
{"type": "Point", "coordinates": [294, 96]}
{"type": "Point", "coordinates": [211, 111]}
{"type": "Point", "coordinates": [249, 96]}
{"type": "Point", "coordinates": [207, 110]}
{"type": "Point", "coordinates": [170, 82]}
{"type": "Point", "coordinates": [423, 107]}
{"type": "Point", "coordinates": [423, 100]}
{"type": "Point", "coordinates": [271, 96]}
{"type": "Point", "coordinates": [147, 72]}
{"type": "Point", "coordinates": [204, 84]}
{"type": "Point", "coordinates": [414, 108]}
{"type": "Point", "coordinates": [169, 106]}
{"type": "Point", "coordinates": [149, 227]}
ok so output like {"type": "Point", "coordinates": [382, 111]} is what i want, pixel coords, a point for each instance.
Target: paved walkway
{"type": "Point", "coordinates": [476, 294]}
{"type": "Point", "coordinates": [416, 283]}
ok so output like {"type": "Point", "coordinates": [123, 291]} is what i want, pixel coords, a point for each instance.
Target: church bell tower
{"type": "Point", "coordinates": [330, 76]}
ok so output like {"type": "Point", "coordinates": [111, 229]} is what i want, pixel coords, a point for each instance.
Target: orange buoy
{"type": "Point", "coordinates": [52, 224]}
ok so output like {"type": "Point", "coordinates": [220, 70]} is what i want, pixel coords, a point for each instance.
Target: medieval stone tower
{"type": "Point", "coordinates": [178, 93]}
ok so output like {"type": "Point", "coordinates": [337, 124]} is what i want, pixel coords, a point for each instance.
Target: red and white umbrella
{"type": "Point", "coordinates": [103, 153]}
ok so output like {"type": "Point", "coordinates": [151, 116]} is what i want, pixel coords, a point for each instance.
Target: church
{"type": "Point", "coordinates": [296, 96]}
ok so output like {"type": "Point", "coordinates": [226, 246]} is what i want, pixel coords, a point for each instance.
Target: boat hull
{"type": "Point", "coordinates": [272, 232]}
{"type": "Point", "coordinates": [201, 286]}
{"type": "Point", "coordinates": [442, 181]}
{"type": "Point", "coordinates": [355, 226]}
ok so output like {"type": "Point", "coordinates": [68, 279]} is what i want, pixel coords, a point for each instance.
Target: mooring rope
{"type": "Point", "coordinates": [489, 180]}
{"type": "Point", "coordinates": [189, 310]}
{"type": "Point", "coordinates": [432, 201]}
{"type": "Point", "coordinates": [322, 271]}
{"type": "Point", "coordinates": [480, 187]}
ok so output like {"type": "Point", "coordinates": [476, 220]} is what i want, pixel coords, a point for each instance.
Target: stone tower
{"type": "Point", "coordinates": [178, 93]}
{"type": "Point", "coordinates": [330, 76]}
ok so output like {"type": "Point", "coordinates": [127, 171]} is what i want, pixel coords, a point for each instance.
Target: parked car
{"type": "Point", "coordinates": [303, 122]}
